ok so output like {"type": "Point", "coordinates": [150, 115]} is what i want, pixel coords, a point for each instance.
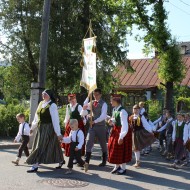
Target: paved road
{"type": "Point", "coordinates": [154, 174]}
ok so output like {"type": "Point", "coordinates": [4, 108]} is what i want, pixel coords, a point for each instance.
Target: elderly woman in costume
{"type": "Point", "coordinates": [142, 135]}
{"type": "Point", "coordinates": [120, 140]}
{"type": "Point", "coordinates": [46, 147]}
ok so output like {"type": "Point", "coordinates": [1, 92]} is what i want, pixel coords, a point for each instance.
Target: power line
{"type": "Point", "coordinates": [184, 3]}
{"type": "Point", "coordinates": [179, 8]}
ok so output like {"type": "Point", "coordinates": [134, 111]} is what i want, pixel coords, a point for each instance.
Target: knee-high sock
{"type": "Point", "coordinates": [123, 166]}
{"type": "Point", "coordinates": [36, 165]}
{"type": "Point", "coordinates": [137, 155]}
{"type": "Point", "coordinates": [116, 166]}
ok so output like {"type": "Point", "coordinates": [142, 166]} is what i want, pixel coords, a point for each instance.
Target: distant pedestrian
{"type": "Point", "coordinates": [23, 133]}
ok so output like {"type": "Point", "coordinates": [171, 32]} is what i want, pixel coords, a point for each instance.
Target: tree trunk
{"type": "Point", "coordinates": [169, 97]}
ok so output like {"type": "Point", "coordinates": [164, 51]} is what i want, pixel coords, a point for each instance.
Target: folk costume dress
{"type": "Point", "coordinates": [177, 137]}
{"type": "Point", "coordinates": [141, 132]}
{"type": "Point", "coordinates": [119, 154]}
{"type": "Point", "coordinates": [46, 147]}
{"type": "Point", "coordinates": [73, 112]}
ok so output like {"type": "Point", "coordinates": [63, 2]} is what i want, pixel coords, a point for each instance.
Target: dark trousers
{"type": "Point", "coordinates": [75, 155]}
{"type": "Point", "coordinates": [23, 146]}
{"type": "Point", "coordinates": [162, 137]}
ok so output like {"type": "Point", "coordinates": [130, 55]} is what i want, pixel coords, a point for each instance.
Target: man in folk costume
{"type": "Point", "coordinates": [120, 140]}
{"type": "Point", "coordinates": [98, 129]}
{"type": "Point", "coordinates": [73, 110]}
{"type": "Point", "coordinates": [142, 135]}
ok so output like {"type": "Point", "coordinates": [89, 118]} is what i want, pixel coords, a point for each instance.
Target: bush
{"type": "Point", "coordinates": [62, 112]}
{"type": "Point", "coordinates": [8, 122]}
{"type": "Point", "coordinates": [154, 109]}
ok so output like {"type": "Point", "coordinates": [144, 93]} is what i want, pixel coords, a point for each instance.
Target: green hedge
{"type": "Point", "coordinates": [8, 122]}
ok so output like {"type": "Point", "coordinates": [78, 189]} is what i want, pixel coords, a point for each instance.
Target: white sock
{"type": "Point", "coordinates": [137, 155]}
{"type": "Point", "coordinates": [123, 166]}
{"type": "Point", "coordinates": [17, 158]}
{"type": "Point", "coordinates": [116, 166]}
{"type": "Point", "coordinates": [36, 165]}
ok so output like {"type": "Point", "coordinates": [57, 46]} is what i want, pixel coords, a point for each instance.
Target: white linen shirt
{"type": "Point", "coordinates": [54, 116]}
{"type": "Point", "coordinates": [186, 132]}
{"type": "Point", "coordinates": [164, 126]}
{"type": "Point", "coordinates": [103, 115]}
{"type": "Point", "coordinates": [124, 122]}
{"type": "Point", "coordinates": [145, 123]}
{"type": "Point", "coordinates": [26, 131]}
{"type": "Point", "coordinates": [72, 138]}
{"type": "Point", "coordinates": [67, 116]}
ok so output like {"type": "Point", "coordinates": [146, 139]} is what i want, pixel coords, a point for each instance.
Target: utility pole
{"type": "Point", "coordinates": [37, 88]}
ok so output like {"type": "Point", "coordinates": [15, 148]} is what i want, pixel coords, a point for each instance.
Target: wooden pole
{"type": "Point", "coordinates": [90, 34]}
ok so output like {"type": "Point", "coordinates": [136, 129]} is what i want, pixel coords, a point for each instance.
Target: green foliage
{"type": "Point", "coordinates": [8, 122]}
{"type": "Point", "coordinates": [62, 113]}
{"type": "Point", "coordinates": [154, 109]}
{"type": "Point", "coordinates": [69, 20]}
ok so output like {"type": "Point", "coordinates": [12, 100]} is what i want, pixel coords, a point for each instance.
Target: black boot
{"type": "Point", "coordinates": [87, 157]}
{"type": "Point", "coordinates": [104, 159]}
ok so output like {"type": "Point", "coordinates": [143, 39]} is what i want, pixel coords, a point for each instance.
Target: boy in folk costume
{"type": "Point", "coordinates": [142, 135]}
{"type": "Point", "coordinates": [160, 122]}
{"type": "Point", "coordinates": [72, 112]}
{"type": "Point", "coordinates": [177, 138]}
{"type": "Point", "coordinates": [186, 139]}
{"type": "Point", "coordinates": [169, 130]}
{"type": "Point", "coordinates": [76, 141]}
{"type": "Point", "coordinates": [23, 133]}
{"type": "Point", "coordinates": [120, 140]}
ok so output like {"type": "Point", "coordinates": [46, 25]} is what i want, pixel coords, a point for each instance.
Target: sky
{"type": "Point", "coordinates": [178, 23]}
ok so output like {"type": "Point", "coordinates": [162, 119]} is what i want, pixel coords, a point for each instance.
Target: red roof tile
{"type": "Point", "coordinates": [145, 75]}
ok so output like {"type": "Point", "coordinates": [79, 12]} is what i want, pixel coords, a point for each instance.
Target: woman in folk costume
{"type": "Point", "coordinates": [120, 140]}
{"type": "Point", "coordinates": [142, 135]}
{"type": "Point", "coordinates": [46, 147]}
{"type": "Point", "coordinates": [177, 138]}
{"type": "Point", "coordinates": [72, 112]}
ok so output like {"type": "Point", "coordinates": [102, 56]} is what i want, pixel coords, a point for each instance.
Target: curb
{"type": "Point", "coordinates": [9, 146]}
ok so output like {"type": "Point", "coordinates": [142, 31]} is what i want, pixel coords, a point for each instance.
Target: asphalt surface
{"type": "Point", "coordinates": [155, 173]}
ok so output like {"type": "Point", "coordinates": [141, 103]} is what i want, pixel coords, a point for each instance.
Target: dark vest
{"type": "Point", "coordinates": [169, 128]}
{"type": "Point", "coordinates": [179, 130]}
{"type": "Point", "coordinates": [74, 114]}
{"type": "Point", "coordinates": [134, 124]}
{"type": "Point", "coordinates": [116, 115]}
{"type": "Point", "coordinates": [44, 116]}
{"type": "Point", "coordinates": [97, 111]}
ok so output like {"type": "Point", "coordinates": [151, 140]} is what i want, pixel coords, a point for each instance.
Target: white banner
{"type": "Point", "coordinates": [88, 80]}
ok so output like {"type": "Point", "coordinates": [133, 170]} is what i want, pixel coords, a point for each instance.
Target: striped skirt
{"type": "Point", "coordinates": [141, 139]}
{"type": "Point", "coordinates": [46, 147]}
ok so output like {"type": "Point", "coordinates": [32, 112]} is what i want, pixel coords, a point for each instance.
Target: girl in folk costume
{"type": "Point", "coordinates": [46, 147]}
{"type": "Point", "coordinates": [142, 135]}
{"type": "Point", "coordinates": [72, 112]}
{"type": "Point", "coordinates": [177, 138]}
{"type": "Point", "coordinates": [120, 140]}
{"type": "Point", "coordinates": [186, 139]}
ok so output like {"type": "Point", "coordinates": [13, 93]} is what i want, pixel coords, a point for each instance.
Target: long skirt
{"type": "Point", "coordinates": [66, 134]}
{"type": "Point", "coordinates": [119, 154]}
{"type": "Point", "coordinates": [46, 147]}
{"type": "Point", "coordinates": [179, 149]}
{"type": "Point", "coordinates": [141, 139]}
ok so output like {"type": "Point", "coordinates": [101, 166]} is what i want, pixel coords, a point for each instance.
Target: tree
{"type": "Point", "coordinates": [151, 17]}
{"type": "Point", "coordinates": [69, 21]}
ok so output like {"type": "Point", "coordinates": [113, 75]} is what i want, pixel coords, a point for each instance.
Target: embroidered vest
{"type": "Point", "coordinates": [97, 111]}
{"type": "Point", "coordinates": [116, 115]}
{"type": "Point", "coordinates": [179, 130]}
{"type": "Point", "coordinates": [44, 113]}
{"type": "Point", "coordinates": [74, 114]}
{"type": "Point", "coordinates": [136, 124]}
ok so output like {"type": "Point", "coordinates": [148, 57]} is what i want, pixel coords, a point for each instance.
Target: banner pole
{"type": "Point", "coordinates": [90, 34]}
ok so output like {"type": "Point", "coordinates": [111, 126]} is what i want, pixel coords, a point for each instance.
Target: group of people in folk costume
{"type": "Point", "coordinates": [135, 132]}
{"type": "Point", "coordinates": [175, 132]}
